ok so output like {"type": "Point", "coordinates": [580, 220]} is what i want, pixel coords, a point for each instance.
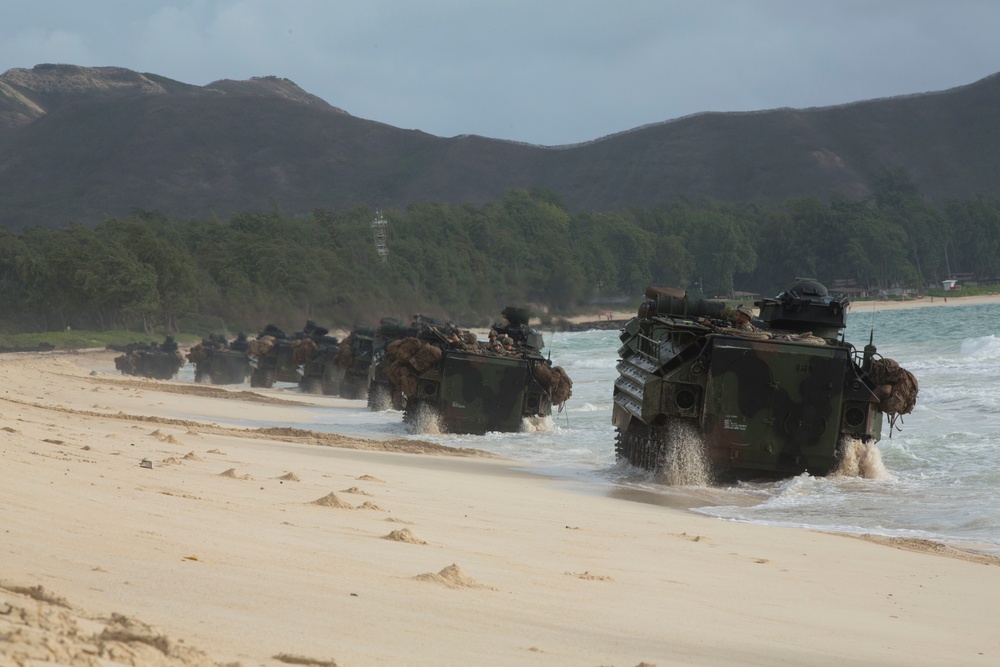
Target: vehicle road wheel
{"type": "Point", "coordinates": [262, 378]}
{"type": "Point", "coordinates": [311, 386]}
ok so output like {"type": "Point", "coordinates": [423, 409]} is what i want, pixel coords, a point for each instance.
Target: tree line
{"type": "Point", "coordinates": [466, 263]}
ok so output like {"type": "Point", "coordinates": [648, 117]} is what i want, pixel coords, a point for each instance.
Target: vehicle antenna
{"type": "Point", "coordinates": [870, 349]}
{"type": "Point", "coordinates": [873, 320]}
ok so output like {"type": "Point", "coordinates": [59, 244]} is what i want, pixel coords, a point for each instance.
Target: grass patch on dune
{"type": "Point", "coordinates": [76, 340]}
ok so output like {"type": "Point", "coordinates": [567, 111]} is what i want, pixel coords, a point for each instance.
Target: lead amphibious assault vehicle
{"type": "Point", "coordinates": [784, 397]}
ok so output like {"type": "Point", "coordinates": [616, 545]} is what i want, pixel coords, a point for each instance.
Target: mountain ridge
{"type": "Point", "coordinates": [78, 144]}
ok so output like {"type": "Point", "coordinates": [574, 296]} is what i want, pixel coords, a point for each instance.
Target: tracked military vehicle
{"type": "Point", "coordinates": [160, 361]}
{"type": "Point", "coordinates": [316, 350]}
{"type": "Point", "coordinates": [218, 361]}
{"type": "Point", "coordinates": [352, 362]}
{"type": "Point", "coordinates": [382, 394]}
{"type": "Point", "coordinates": [274, 357]}
{"type": "Point", "coordinates": [779, 397]}
{"type": "Point", "coordinates": [469, 386]}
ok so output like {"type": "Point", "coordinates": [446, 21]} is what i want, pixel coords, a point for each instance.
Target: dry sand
{"type": "Point", "coordinates": [135, 529]}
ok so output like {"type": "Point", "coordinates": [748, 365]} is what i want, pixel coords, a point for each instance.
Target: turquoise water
{"type": "Point", "coordinates": [939, 476]}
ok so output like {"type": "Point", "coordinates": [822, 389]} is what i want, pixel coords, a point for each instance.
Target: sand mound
{"type": "Point", "coordinates": [290, 477]}
{"type": "Point", "coordinates": [355, 490]}
{"type": "Point", "coordinates": [36, 593]}
{"type": "Point", "coordinates": [165, 437]}
{"type": "Point", "coordinates": [171, 460]}
{"type": "Point", "coordinates": [232, 474]}
{"type": "Point", "coordinates": [39, 628]}
{"type": "Point", "coordinates": [191, 456]}
{"type": "Point", "coordinates": [452, 577]}
{"type": "Point", "coordinates": [331, 500]}
{"type": "Point", "coordinates": [367, 505]}
{"type": "Point", "coordinates": [404, 535]}
{"type": "Point", "coordinates": [369, 478]}
{"type": "Point", "coordinates": [216, 451]}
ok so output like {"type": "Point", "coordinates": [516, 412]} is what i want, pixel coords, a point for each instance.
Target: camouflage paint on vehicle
{"type": "Point", "coordinates": [273, 356]}
{"type": "Point", "coordinates": [317, 351]}
{"type": "Point", "coordinates": [382, 395]}
{"type": "Point", "coordinates": [219, 362]}
{"type": "Point", "coordinates": [478, 393]}
{"type": "Point", "coordinates": [472, 386]}
{"type": "Point", "coordinates": [320, 375]}
{"type": "Point", "coordinates": [354, 358]}
{"type": "Point", "coordinates": [151, 360]}
{"type": "Point", "coordinates": [776, 401]}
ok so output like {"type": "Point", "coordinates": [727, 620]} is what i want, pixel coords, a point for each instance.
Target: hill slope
{"type": "Point", "coordinates": [78, 144]}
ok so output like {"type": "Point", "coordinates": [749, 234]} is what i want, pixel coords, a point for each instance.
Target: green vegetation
{"type": "Point", "coordinates": [150, 275]}
{"type": "Point", "coordinates": [76, 340]}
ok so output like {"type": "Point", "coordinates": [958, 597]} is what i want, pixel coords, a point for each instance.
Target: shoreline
{"type": "Point", "coordinates": [279, 546]}
{"type": "Point", "coordinates": [605, 319]}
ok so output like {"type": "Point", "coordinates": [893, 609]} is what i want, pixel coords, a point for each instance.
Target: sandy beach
{"type": "Point", "coordinates": [856, 306]}
{"type": "Point", "coordinates": [140, 527]}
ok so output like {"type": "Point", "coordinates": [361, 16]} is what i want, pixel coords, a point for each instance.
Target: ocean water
{"type": "Point", "coordinates": [937, 478]}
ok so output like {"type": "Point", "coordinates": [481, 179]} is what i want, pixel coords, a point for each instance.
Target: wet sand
{"type": "Point", "coordinates": [135, 529]}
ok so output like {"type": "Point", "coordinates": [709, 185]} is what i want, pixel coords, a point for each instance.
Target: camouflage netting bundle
{"type": "Point", "coordinates": [345, 353]}
{"type": "Point", "coordinates": [402, 377]}
{"type": "Point", "coordinates": [425, 357]}
{"type": "Point", "coordinates": [409, 357]}
{"type": "Point", "coordinates": [555, 381]}
{"type": "Point", "coordinates": [895, 387]}
{"type": "Point", "coordinates": [303, 349]}
{"type": "Point", "coordinates": [404, 348]}
{"type": "Point", "coordinates": [411, 351]}
{"type": "Point", "coordinates": [753, 335]}
{"type": "Point", "coordinates": [259, 347]}
{"type": "Point", "coordinates": [806, 337]}
{"type": "Point", "coordinates": [197, 353]}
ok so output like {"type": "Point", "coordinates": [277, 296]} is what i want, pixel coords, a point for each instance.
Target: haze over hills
{"type": "Point", "coordinates": [79, 144]}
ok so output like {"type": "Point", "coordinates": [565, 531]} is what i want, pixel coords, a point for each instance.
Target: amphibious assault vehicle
{"type": "Point", "coordinates": [779, 397]}
{"type": "Point", "coordinates": [160, 361]}
{"type": "Point", "coordinates": [275, 358]}
{"type": "Point", "coordinates": [320, 375]}
{"type": "Point", "coordinates": [382, 395]}
{"type": "Point", "coordinates": [218, 361]}
{"type": "Point", "coordinates": [351, 365]}
{"type": "Point", "coordinates": [470, 386]}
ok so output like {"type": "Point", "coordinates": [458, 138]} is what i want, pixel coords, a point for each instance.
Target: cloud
{"type": "Point", "coordinates": [550, 72]}
{"type": "Point", "coordinates": [46, 46]}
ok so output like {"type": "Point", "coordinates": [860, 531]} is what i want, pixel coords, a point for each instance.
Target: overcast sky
{"type": "Point", "coordinates": [540, 71]}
